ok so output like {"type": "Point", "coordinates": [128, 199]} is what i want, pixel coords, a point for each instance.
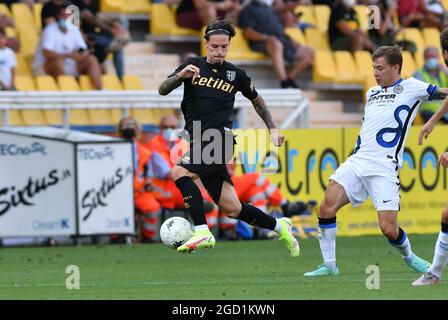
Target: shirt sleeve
{"type": "Point", "coordinates": [247, 88]}
{"type": "Point", "coordinates": [160, 168]}
{"type": "Point", "coordinates": [80, 43]}
{"type": "Point", "coordinates": [12, 62]}
{"type": "Point", "coordinates": [424, 90]}
{"type": "Point", "coordinates": [47, 42]}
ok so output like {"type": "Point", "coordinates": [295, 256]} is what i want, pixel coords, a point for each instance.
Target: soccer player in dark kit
{"type": "Point", "coordinates": [210, 85]}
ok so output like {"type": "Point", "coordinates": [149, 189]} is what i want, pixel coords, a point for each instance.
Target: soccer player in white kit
{"type": "Point", "coordinates": [372, 170]}
{"type": "Point", "coordinates": [441, 249]}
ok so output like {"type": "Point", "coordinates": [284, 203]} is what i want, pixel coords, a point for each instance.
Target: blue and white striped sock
{"type": "Point", "coordinates": [402, 244]}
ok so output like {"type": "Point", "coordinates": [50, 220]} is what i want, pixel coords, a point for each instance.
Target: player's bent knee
{"type": "Point", "coordinates": [390, 231]}
{"type": "Point", "coordinates": [327, 210]}
{"type": "Point", "coordinates": [232, 211]}
{"type": "Point", "coordinates": [445, 216]}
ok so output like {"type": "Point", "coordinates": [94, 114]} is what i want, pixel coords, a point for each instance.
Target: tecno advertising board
{"type": "Point", "coordinates": [105, 188]}
{"type": "Point", "coordinates": [55, 182]}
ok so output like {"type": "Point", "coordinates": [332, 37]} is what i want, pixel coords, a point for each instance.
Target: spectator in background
{"type": "Point", "coordinates": [112, 37]}
{"type": "Point", "coordinates": [291, 19]}
{"type": "Point", "coordinates": [7, 63]}
{"type": "Point", "coordinates": [8, 22]}
{"type": "Point", "coordinates": [385, 35]}
{"type": "Point", "coordinates": [410, 13]}
{"type": "Point", "coordinates": [49, 12]}
{"type": "Point", "coordinates": [434, 14]}
{"type": "Point", "coordinates": [62, 50]}
{"type": "Point", "coordinates": [195, 14]}
{"type": "Point", "coordinates": [435, 73]}
{"type": "Point", "coordinates": [344, 28]}
{"type": "Point", "coordinates": [147, 164]}
{"type": "Point", "coordinates": [263, 28]}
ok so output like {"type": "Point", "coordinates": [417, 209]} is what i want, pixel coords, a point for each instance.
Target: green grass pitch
{"type": "Point", "coordinates": [233, 270]}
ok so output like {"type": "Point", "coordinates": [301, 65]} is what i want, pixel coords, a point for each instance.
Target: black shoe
{"type": "Point", "coordinates": [289, 83]}
{"type": "Point", "coordinates": [294, 208]}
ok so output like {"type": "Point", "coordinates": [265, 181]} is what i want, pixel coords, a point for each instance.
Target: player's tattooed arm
{"type": "Point", "coordinates": [170, 84]}
{"type": "Point", "coordinates": [262, 110]}
{"type": "Point", "coordinates": [440, 94]}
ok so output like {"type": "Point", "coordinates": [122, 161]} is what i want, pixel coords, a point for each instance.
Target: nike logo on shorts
{"type": "Point", "coordinates": [386, 201]}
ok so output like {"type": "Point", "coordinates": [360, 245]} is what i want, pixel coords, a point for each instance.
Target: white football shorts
{"type": "Point", "coordinates": [382, 185]}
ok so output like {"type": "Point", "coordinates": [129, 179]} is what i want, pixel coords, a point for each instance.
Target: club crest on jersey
{"type": "Point", "coordinates": [398, 89]}
{"type": "Point", "coordinates": [231, 75]}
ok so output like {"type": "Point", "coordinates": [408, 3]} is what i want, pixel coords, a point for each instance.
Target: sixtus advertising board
{"type": "Point", "coordinates": [44, 171]}
{"type": "Point", "coordinates": [105, 188]}
{"type": "Point", "coordinates": [302, 166]}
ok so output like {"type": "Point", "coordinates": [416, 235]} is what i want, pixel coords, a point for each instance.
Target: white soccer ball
{"type": "Point", "coordinates": [175, 231]}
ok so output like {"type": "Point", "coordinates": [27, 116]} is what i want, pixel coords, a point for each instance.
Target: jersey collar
{"type": "Point", "coordinates": [393, 85]}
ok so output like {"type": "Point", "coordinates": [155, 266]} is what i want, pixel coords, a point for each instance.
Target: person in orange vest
{"type": "Point", "coordinates": [169, 147]}
{"type": "Point", "coordinates": [256, 189]}
{"type": "Point", "coordinates": [148, 165]}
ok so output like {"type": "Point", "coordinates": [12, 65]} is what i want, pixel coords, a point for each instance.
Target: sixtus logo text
{"type": "Point", "coordinates": [94, 198]}
{"type": "Point", "coordinates": [12, 149]}
{"type": "Point", "coordinates": [16, 195]}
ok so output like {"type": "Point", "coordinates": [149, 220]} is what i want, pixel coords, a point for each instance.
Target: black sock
{"type": "Point", "coordinates": [193, 200]}
{"type": "Point", "coordinates": [256, 217]}
{"type": "Point", "coordinates": [444, 227]}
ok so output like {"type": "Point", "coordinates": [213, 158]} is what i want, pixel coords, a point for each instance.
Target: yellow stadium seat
{"type": "Point", "coordinates": [361, 12]}
{"type": "Point", "coordinates": [47, 83]}
{"type": "Point", "coordinates": [137, 6]}
{"type": "Point", "coordinates": [414, 35]}
{"type": "Point", "coordinates": [29, 40]}
{"type": "Point", "coordinates": [307, 13]}
{"type": "Point", "coordinates": [239, 49]}
{"type": "Point", "coordinates": [346, 68]}
{"type": "Point", "coordinates": [316, 39]}
{"type": "Point", "coordinates": [409, 65]}
{"type": "Point", "coordinates": [445, 4]}
{"type": "Point", "coordinates": [22, 68]}
{"type": "Point", "coordinates": [322, 13]}
{"type": "Point", "coordinates": [30, 117]}
{"type": "Point", "coordinates": [77, 116]}
{"type": "Point", "coordinates": [111, 82]}
{"type": "Point", "coordinates": [363, 61]}
{"type": "Point", "coordinates": [10, 32]}
{"type": "Point", "coordinates": [324, 68]}
{"type": "Point", "coordinates": [296, 34]}
{"type": "Point", "coordinates": [112, 6]}
{"type": "Point", "coordinates": [37, 10]}
{"type": "Point", "coordinates": [163, 22]}
{"type": "Point", "coordinates": [23, 17]}
{"type": "Point", "coordinates": [431, 37]}
{"type": "Point", "coordinates": [132, 82]}
{"type": "Point", "coordinates": [97, 116]}
{"type": "Point", "coordinates": [5, 10]}
{"type": "Point", "coordinates": [16, 118]}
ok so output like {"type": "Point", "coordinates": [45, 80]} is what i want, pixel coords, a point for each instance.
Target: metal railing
{"type": "Point", "coordinates": [126, 100]}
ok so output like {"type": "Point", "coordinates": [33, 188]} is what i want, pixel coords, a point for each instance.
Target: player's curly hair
{"type": "Point", "coordinates": [444, 39]}
{"type": "Point", "coordinates": [219, 27]}
{"type": "Point", "coordinates": [392, 54]}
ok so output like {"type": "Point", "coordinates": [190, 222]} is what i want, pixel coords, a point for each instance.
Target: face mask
{"type": "Point", "coordinates": [128, 133]}
{"type": "Point", "coordinates": [349, 3]}
{"type": "Point", "coordinates": [432, 64]}
{"type": "Point", "coordinates": [167, 134]}
{"type": "Point", "coordinates": [62, 24]}
{"type": "Point", "coordinates": [266, 2]}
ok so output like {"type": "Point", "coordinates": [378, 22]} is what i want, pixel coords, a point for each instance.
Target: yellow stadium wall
{"type": "Point", "coordinates": [310, 156]}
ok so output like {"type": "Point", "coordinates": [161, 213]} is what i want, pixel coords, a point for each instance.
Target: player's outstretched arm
{"type": "Point", "coordinates": [262, 110]}
{"type": "Point", "coordinates": [173, 82]}
{"type": "Point", "coordinates": [429, 126]}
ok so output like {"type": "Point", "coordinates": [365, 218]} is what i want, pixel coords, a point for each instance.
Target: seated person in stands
{"type": "Point", "coordinates": [434, 13]}
{"type": "Point", "coordinates": [420, 13]}
{"type": "Point", "coordinates": [263, 28]}
{"type": "Point", "coordinates": [436, 73]}
{"type": "Point", "coordinates": [104, 34]}
{"type": "Point", "coordinates": [63, 51]}
{"type": "Point", "coordinates": [7, 63]}
{"type": "Point", "coordinates": [195, 14]}
{"type": "Point", "coordinates": [49, 12]}
{"type": "Point", "coordinates": [6, 22]}
{"type": "Point", "coordinates": [344, 28]}
{"type": "Point", "coordinates": [385, 35]}
{"type": "Point", "coordinates": [291, 19]}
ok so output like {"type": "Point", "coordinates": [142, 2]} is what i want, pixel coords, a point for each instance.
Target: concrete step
{"type": "Point", "coordinates": [335, 120]}
{"type": "Point", "coordinates": [325, 107]}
